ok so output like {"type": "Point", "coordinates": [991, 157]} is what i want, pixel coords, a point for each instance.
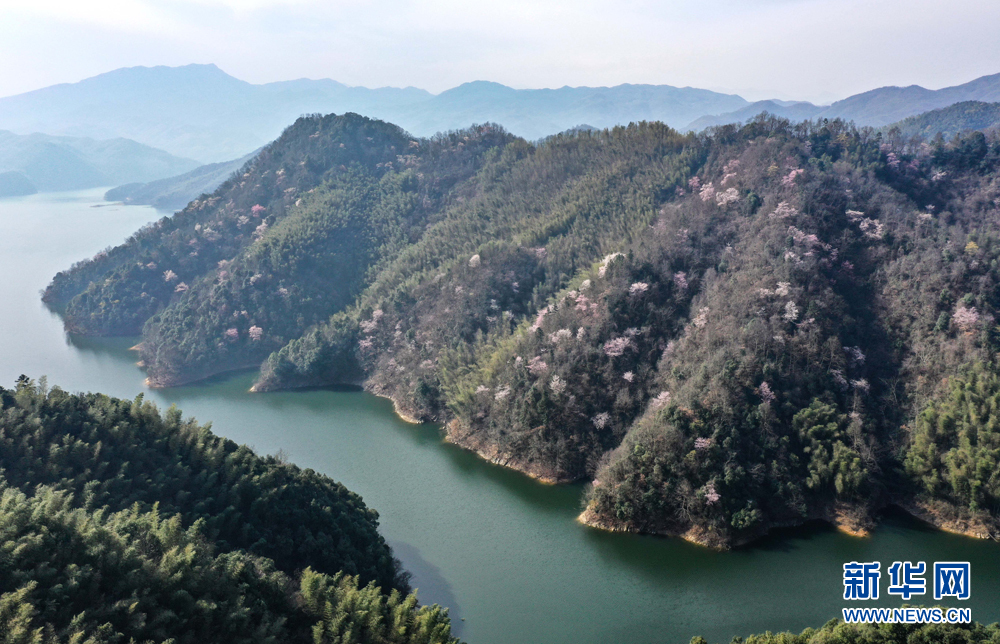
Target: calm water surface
{"type": "Point", "coordinates": [501, 550]}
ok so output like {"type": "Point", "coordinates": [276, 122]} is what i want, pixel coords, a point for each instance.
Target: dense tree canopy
{"type": "Point", "coordinates": [722, 331]}
{"type": "Point", "coordinates": [121, 525]}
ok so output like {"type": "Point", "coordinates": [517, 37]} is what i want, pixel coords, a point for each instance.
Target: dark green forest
{"type": "Point", "coordinates": [121, 524]}
{"type": "Point", "coordinates": [757, 325]}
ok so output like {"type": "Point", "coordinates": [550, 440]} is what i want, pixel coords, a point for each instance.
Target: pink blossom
{"type": "Point", "coordinates": [789, 179]}
{"type": "Point", "coordinates": [231, 334]}
{"type": "Point", "coordinates": [662, 400]}
{"type": "Point", "coordinates": [180, 288]}
{"type": "Point", "coordinates": [702, 444]}
{"type": "Point", "coordinates": [711, 496]}
{"type": "Point", "coordinates": [628, 376]}
{"type": "Point", "coordinates": [707, 192]}
{"type": "Point", "coordinates": [616, 347]}
{"type": "Point", "coordinates": [169, 276]}
{"type": "Point", "coordinates": [694, 183]}
{"type": "Point", "coordinates": [680, 281]}
{"type": "Point", "coordinates": [257, 210]}
{"type": "Point", "coordinates": [965, 318]}
{"type": "Point", "coordinates": [256, 333]}
{"type": "Point", "coordinates": [537, 366]}
{"type": "Point", "coordinates": [783, 211]}
{"type": "Point", "coordinates": [539, 319]}
{"type": "Point", "coordinates": [765, 392]}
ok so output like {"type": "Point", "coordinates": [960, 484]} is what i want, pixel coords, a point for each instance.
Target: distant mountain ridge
{"type": "Point", "coordinates": [68, 163]}
{"type": "Point", "coordinates": [877, 107]}
{"type": "Point", "coordinates": [173, 193]}
{"type": "Point", "coordinates": [201, 112]}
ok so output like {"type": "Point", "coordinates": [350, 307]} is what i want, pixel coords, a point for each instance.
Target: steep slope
{"type": "Point", "coordinates": [71, 163]}
{"type": "Point", "coordinates": [718, 330]}
{"type": "Point", "coordinates": [173, 193]}
{"type": "Point", "coordinates": [282, 247]}
{"type": "Point", "coordinates": [118, 524]}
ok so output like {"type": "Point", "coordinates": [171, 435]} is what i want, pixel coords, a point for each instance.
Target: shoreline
{"type": "Point", "coordinates": [937, 515]}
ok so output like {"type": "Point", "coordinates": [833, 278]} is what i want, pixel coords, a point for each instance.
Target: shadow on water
{"type": "Point", "coordinates": [430, 583]}
{"type": "Point", "coordinates": [789, 538]}
{"type": "Point", "coordinates": [117, 347]}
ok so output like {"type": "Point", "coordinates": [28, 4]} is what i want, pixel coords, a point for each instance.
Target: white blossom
{"type": "Point", "coordinates": [638, 288]}
{"type": "Point", "coordinates": [701, 319]}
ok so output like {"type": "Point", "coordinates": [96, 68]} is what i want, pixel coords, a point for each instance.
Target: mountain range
{"type": "Point", "coordinates": [200, 111]}
{"type": "Point", "coordinates": [877, 107]}
{"type": "Point", "coordinates": [39, 162]}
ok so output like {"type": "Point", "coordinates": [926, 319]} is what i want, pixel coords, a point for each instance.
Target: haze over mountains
{"type": "Point", "coordinates": [875, 107]}
{"type": "Point", "coordinates": [39, 162]}
{"type": "Point", "coordinates": [200, 112]}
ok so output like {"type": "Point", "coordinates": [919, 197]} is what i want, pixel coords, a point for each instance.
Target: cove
{"type": "Point", "coordinates": [504, 552]}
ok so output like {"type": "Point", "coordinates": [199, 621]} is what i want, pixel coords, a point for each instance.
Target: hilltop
{"type": "Point", "coordinates": [722, 332]}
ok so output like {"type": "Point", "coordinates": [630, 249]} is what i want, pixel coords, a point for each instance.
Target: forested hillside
{"type": "Point", "coordinates": [952, 120]}
{"type": "Point", "coordinates": [723, 332]}
{"type": "Point", "coordinates": [121, 524]}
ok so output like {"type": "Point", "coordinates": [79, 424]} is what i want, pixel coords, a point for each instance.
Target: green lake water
{"type": "Point", "coordinates": [502, 551]}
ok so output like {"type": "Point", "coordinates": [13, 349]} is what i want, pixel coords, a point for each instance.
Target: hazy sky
{"type": "Point", "coordinates": [816, 50]}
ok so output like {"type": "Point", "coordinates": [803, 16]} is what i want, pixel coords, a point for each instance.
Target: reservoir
{"type": "Point", "coordinates": [504, 552]}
